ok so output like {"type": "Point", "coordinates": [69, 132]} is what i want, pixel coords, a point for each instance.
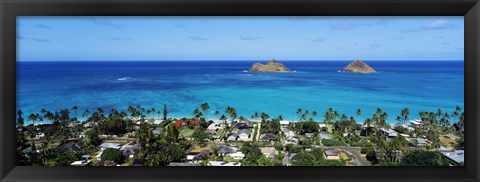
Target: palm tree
{"type": "Point", "coordinates": [165, 112]}
{"type": "Point", "coordinates": [299, 112]}
{"type": "Point", "coordinates": [367, 122]}
{"type": "Point", "coordinates": [217, 113]}
{"type": "Point", "coordinates": [405, 112]}
{"type": "Point", "coordinates": [255, 115]}
{"type": "Point", "coordinates": [224, 118]}
{"type": "Point", "coordinates": [232, 112]}
{"type": "Point", "coordinates": [33, 117]}
{"type": "Point", "coordinates": [20, 117]}
{"type": "Point", "coordinates": [75, 109]}
{"type": "Point", "coordinates": [196, 113]}
{"type": "Point", "coordinates": [359, 112]}
{"type": "Point", "coordinates": [264, 116]}
{"type": "Point", "coordinates": [205, 108]}
{"type": "Point", "coordinates": [86, 113]}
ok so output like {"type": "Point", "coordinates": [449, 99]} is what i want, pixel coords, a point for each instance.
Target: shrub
{"type": "Point", "coordinates": [111, 154]}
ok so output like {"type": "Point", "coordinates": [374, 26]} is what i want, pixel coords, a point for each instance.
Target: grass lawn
{"type": "Point", "coordinates": [186, 132]}
{"type": "Point", "coordinates": [447, 142]}
{"type": "Point", "coordinates": [329, 128]}
{"type": "Point", "coordinates": [344, 156]}
{"type": "Point", "coordinates": [199, 149]}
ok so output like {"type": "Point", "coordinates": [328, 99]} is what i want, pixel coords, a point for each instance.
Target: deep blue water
{"type": "Point", "coordinates": [183, 85]}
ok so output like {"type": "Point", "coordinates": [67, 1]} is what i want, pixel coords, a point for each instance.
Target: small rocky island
{"type": "Point", "coordinates": [358, 67]}
{"type": "Point", "coordinates": [271, 66]}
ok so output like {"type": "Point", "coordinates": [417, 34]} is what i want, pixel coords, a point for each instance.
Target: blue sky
{"type": "Point", "coordinates": [239, 38]}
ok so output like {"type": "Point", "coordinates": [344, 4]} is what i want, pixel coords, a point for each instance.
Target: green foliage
{"type": "Point", "coordinates": [91, 138]}
{"type": "Point", "coordinates": [330, 163]}
{"type": "Point", "coordinates": [304, 159]}
{"type": "Point", "coordinates": [459, 143]}
{"type": "Point", "coordinates": [252, 154]}
{"type": "Point", "coordinates": [293, 148]}
{"type": "Point", "coordinates": [332, 142]}
{"type": "Point", "coordinates": [111, 154]}
{"type": "Point", "coordinates": [66, 157]}
{"type": "Point", "coordinates": [401, 129]}
{"type": "Point", "coordinates": [278, 145]}
{"type": "Point", "coordinates": [372, 156]}
{"type": "Point", "coordinates": [199, 135]}
{"type": "Point", "coordinates": [424, 158]}
{"type": "Point", "coordinates": [306, 127]}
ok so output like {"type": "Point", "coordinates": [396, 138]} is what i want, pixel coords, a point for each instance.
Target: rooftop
{"type": "Point", "coordinates": [456, 155]}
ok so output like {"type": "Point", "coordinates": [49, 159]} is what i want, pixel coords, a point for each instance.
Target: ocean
{"type": "Point", "coordinates": [184, 85]}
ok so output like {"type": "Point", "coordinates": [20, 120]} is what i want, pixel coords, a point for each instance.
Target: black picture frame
{"type": "Point", "coordinates": [9, 9]}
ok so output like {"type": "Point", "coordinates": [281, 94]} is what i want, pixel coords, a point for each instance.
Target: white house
{"type": "Point", "coordinates": [212, 128]}
{"type": "Point", "coordinates": [331, 154]}
{"type": "Point", "coordinates": [39, 135]}
{"type": "Point", "coordinates": [244, 135]}
{"type": "Point", "coordinates": [284, 123]}
{"type": "Point", "coordinates": [237, 155]}
{"type": "Point", "coordinates": [387, 133]}
{"type": "Point", "coordinates": [415, 123]}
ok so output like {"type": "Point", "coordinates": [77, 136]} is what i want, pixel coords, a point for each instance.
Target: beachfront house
{"type": "Point", "coordinates": [284, 123]}
{"type": "Point", "coordinates": [212, 128]}
{"type": "Point", "coordinates": [456, 157]}
{"type": "Point", "coordinates": [237, 155]}
{"type": "Point", "coordinates": [331, 155]}
{"type": "Point", "coordinates": [388, 133]}
{"type": "Point", "coordinates": [415, 123]}
{"type": "Point", "coordinates": [244, 134]}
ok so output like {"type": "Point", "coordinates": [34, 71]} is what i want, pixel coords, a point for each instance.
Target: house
{"type": "Point", "coordinates": [232, 137]}
{"type": "Point", "coordinates": [157, 131]}
{"type": "Point", "coordinates": [287, 160]}
{"type": "Point", "coordinates": [290, 134]}
{"type": "Point", "coordinates": [389, 133]}
{"type": "Point", "coordinates": [456, 157]}
{"type": "Point", "coordinates": [72, 144]}
{"type": "Point", "coordinates": [324, 136]}
{"type": "Point", "coordinates": [187, 121]}
{"type": "Point", "coordinates": [39, 135]}
{"type": "Point", "coordinates": [284, 123]}
{"type": "Point", "coordinates": [182, 164]}
{"type": "Point", "coordinates": [243, 125]}
{"type": "Point", "coordinates": [223, 163]}
{"type": "Point", "coordinates": [212, 128]}
{"type": "Point", "coordinates": [331, 154]}
{"type": "Point", "coordinates": [421, 141]}
{"type": "Point", "coordinates": [269, 151]}
{"type": "Point", "coordinates": [81, 135]}
{"type": "Point", "coordinates": [416, 123]}
{"type": "Point", "coordinates": [130, 149]}
{"type": "Point", "coordinates": [84, 160]}
{"type": "Point", "coordinates": [292, 141]}
{"type": "Point", "coordinates": [237, 155]}
{"type": "Point", "coordinates": [309, 135]}
{"type": "Point", "coordinates": [268, 137]}
{"type": "Point", "coordinates": [223, 149]}
{"type": "Point", "coordinates": [321, 125]}
{"type": "Point", "coordinates": [244, 134]}
{"type": "Point", "coordinates": [104, 146]}
{"type": "Point", "coordinates": [202, 155]}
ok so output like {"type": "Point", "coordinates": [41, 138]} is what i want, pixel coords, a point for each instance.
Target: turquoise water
{"type": "Point", "coordinates": [182, 85]}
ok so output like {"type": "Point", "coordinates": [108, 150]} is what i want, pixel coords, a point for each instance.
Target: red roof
{"type": "Point", "coordinates": [191, 121]}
